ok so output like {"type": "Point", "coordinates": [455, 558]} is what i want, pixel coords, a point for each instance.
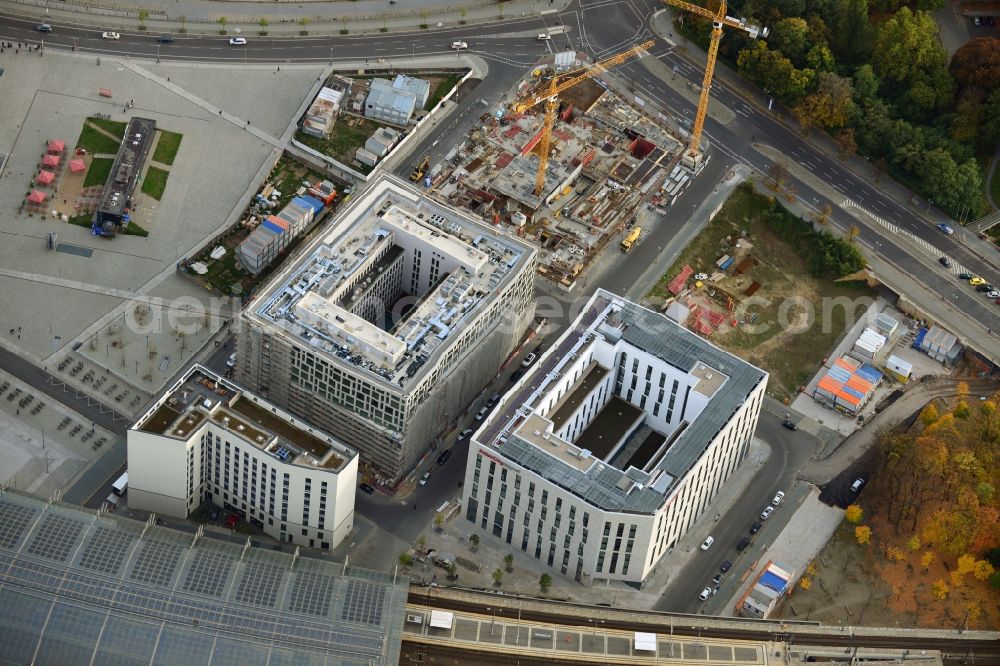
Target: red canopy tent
{"type": "Point", "coordinates": [57, 145]}
{"type": "Point", "coordinates": [37, 197]}
{"type": "Point", "coordinates": [45, 177]}
{"type": "Point", "coordinates": [76, 166]}
{"type": "Point", "coordinates": [50, 160]}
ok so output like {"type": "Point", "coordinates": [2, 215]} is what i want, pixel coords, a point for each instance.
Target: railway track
{"type": "Point", "coordinates": [972, 648]}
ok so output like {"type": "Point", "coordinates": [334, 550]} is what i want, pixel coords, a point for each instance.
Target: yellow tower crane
{"type": "Point", "coordinates": [719, 19]}
{"type": "Point", "coordinates": [551, 100]}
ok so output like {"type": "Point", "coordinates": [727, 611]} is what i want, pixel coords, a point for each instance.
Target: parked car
{"type": "Point", "coordinates": [945, 229]}
{"type": "Point", "coordinates": [705, 594]}
{"type": "Point", "coordinates": [366, 488]}
{"type": "Point", "coordinates": [756, 527]}
{"type": "Point", "coordinates": [43, 27]}
{"type": "Point", "coordinates": [717, 578]}
{"type": "Point", "coordinates": [214, 515]}
{"type": "Point", "coordinates": [237, 41]}
{"type": "Point", "coordinates": [778, 496]}
{"type": "Point", "coordinates": [529, 359]}
{"type": "Point", "coordinates": [856, 486]}
{"type": "Point", "coordinates": [993, 294]}
{"type": "Point", "coordinates": [742, 545]}
{"type": "Point", "coordinates": [231, 361]}
{"type": "Point", "coordinates": [976, 281]}
{"type": "Point", "coordinates": [766, 513]}
{"type": "Point", "coordinates": [494, 399]}
{"type": "Point", "coordinates": [726, 566]}
{"type": "Point", "coordinates": [708, 543]}
{"type": "Point", "coordinates": [789, 424]}
{"type": "Point", "coordinates": [983, 288]}
{"type": "Point", "coordinates": [231, 520]}
{"type": "Point", "coordinates": [482, 413]}
{"type": "Point", "coordinates": [945, 261]}
{"type": "Point", "coordinates": [465, 434]}
{"type": "Point", "coordinates": [110, 35]}
{"type": "Point", "coordinates": [965, 276]}
{"type": "Point", "coordinates": [443, 458]}
{"type": "Point", "coordinates": [425, 478]}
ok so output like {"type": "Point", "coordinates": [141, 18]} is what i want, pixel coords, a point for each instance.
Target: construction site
{"type": "Point", "coordinates": [566, 163]}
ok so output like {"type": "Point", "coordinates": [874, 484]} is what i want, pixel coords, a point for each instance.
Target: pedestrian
{"type": "Point", "coordinates": [12, 331]}
{"type": "Point", "coordinates": [220, 112]}
{"type": "Point", "coordinates": [19, 413]}
{"type": "Point", "coordinates": [18, 329]}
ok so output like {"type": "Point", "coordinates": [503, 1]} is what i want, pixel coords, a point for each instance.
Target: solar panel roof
{"type": "Point", "coordinates": [80, 587]}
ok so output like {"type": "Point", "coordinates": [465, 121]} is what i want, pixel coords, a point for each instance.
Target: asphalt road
{"type": "Point", "coordinates": [790, 451]}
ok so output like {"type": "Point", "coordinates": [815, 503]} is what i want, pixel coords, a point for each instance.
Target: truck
{"type": "Point", "coordinates": [420, 170]}
{"type": "Point", "coordinates": [120, 485]}
{"type": "Point", "coordinates": [630, 239]}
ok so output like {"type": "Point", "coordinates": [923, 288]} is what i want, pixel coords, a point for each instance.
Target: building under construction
{"type": "Point", "coordinates": [610, 166]}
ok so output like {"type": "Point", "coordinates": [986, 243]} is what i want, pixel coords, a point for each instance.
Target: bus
{"type": "Point", "coordinates": [121, 485]}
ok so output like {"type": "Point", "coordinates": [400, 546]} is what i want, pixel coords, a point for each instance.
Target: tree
{"type": "Point", "coordinates": [774, 72]}
{"type": "Point", "coordinates": [303, 22]}
{"type": "Point", "coordinates": [865, 83]}
{"type": "Point", "coordinates": [143, 16]}
{"type": "Point", "coordinates": [545, 583]}
{"type": "Point", "coordinates": [830, 106]}
{"type": "Point", "coordinates": [966, 564]}
{"type": "Point", "coordinates": [222, 23]}
{"type": "Point", "coordinates": [805, 583]}
{"type": "Point", "coordinates": [927, 559]}
{"type": "Point", "coordinates": [851, 31]}
{"type": "Point", "coordinates": [405, 559]}
{"type": "Point", "coordinates": [863, 534]}
{"type": "Point", "coordinates": [790, 36]}
{"type": "Point", "coordinates": [820, 59]}
{"type": "Point", "coordinates": [263, 22]}
{"type": "Point", "coordinates": [962, 410]}
{"type": "Point", "coordinates": [976, 65]}
{"type": "Point", "coordinates": [497, 576]}
{"type": "Point", "coordinates": [906, 46]}
{"type": "Point", "coordinates": [421, 542]}
{"type": "Point", "coordinates": [183, 21]}
{"type": "Point", "coordinates": [854, 514]}
{"type": "Point", "coordinates": [939, 589]}
{"type": "Point", "coordinates": [895, 554]}
{"type": "Point", "coordinates": [983, 570]}
{"type": "Point", "coordinates": [913, 543]}
{"type": "Point", "coordinates": [508, 562]}
{"type": "Point", "coordinates": [474, 542]}
{"type": "Point", "coordinates": [452, 571]}
{"type": "Point", "coordinates": [929, 414]}
{"type": "Point", "coordinates": [438, 521]}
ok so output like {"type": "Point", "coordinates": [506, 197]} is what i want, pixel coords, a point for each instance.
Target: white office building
{"type": "Point", "coordinates": [389, 323]}
{"type": "Point", "coordinates": [206, 439]}
{"type": "Point", "coordinates": [611, 446]}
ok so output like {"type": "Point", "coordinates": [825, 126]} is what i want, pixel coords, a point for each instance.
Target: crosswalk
{"type": "Point", "coordinates": [913, 239]}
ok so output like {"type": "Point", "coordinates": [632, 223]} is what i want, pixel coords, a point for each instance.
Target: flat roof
{"type": "Point", "coordinates": [590, 378]}
{"type": "Point", "coordinates": [305, 300]}
{"type": "Point", "coordinates": [609, 426]}
{"type": "Point", "coordinates": [110, 586]}
{"type": "Point", "coordinates": [202, 394]}
{"type": "Point", "coordinates": [607, 316]}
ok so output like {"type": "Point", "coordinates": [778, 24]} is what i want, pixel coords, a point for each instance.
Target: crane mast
{"type": "Point", "coordinates": [719, 19]}
{"type": "Point", "coordinates": [551, 99]}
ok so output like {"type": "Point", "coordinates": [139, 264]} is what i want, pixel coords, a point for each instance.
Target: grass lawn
{"type": "Point", "coordinates": [155, 182]}
{"type": "Point", "coordinates": [167, 147]}
{"type": "Point", "coordinates": [798, 322]}
{"type": "Point", "coordinates": [115, 127]}
{"type": "Point", "coordinates": [94, 141]}
{"type": "Point", "coordinates": [100, 169]}
{"type": "Point", "coordinates": [442, 88]}
{"type": "Point", "coordinates": [342, 142]}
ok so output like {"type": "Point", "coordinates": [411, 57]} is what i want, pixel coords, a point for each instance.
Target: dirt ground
{"type": "Point", "coordinates": [786, 320]}
{"type": "Point", "coordinates": [856, 584]}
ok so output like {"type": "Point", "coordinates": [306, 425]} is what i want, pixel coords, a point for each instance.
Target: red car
{"type": "Point", "coordinates": [231, 520]}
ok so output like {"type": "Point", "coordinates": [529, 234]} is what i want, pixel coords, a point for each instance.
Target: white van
{"type": "Point", "coordinates": [544, 37]}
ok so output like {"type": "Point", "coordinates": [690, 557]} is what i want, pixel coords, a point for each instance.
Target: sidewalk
{"type": "Point", "coordinates": [859, 166]}
{"type": "Point", "coordinates": [283, 17]}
